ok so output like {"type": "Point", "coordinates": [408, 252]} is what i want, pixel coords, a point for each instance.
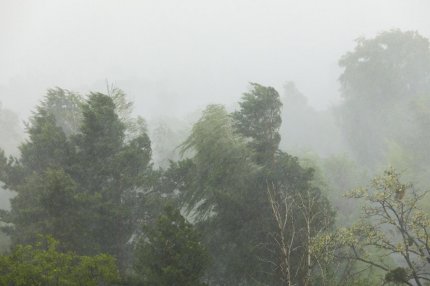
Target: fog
{"type": "Point", "coordinates": [172, 57]}
{"type": "Point", "coordinates": [249, 142]}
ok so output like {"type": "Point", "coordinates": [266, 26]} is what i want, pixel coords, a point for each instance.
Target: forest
{"type": "Point", "coordinates": [268, 192]}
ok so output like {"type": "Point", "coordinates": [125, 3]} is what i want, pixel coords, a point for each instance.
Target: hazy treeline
{"type": "Point", "coordinates": [250, 196]}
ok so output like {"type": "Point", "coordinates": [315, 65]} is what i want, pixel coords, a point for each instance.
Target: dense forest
{"type": "Point", "coordinates": [272, 192]}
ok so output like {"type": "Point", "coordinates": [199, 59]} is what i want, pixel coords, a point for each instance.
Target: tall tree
{"type": "Point", "coordinates": [285, 181]}
{"type": "Point", "coordinates": [170, 252]}
{"type": "Point", "coordinates": [221, 158]}
{"type": "Point", "coordinates": [218, 194]}
{"type": "Point", "coordinates": [46, 203]}
{"type": "Point", "coordinates": [65, 106]}
{"type": "Point", "coordinates": [259, 118]}
{"type": "Point", "coordinates": [234, 158]}
{"type": "Point", "coordinates": [382, 79]}
{"type": "Point", "coordinates": [85, 188]}
{"type": "Point", "coordinates": [111, 171]}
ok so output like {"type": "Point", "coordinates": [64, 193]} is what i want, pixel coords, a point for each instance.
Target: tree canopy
{"type": "Point", "coordinates": [42, 264]}
{"type": "Point", "coordinates": [171, 252]}
{"type": "Point", "coordinates": [84, 188]}
{"type": "Point", "coordinates": [384, 80]}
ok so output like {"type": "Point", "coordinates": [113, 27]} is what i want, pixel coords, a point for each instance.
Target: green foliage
{"type": "Point", "coordinates": [46, 203]}
{"type": "Point", "coordinates": [393, 225]}
{"type": "Point", "coordinates": [170, 252]}
{"type": "Point", "coordinates": [302, 212]}
{"type": "Point", "coordinates": [42, 264]}
{"type": "Point", "coordinates": [47, 145]}
{"type": "Point", "coordinates": [398, 275]}
{"type": "Point", "coordinates": [259, 119]}
{"type": "Point", "coordinates": [84, 186]}
{"type": "Point", "coordinates": [234, 159]}
{"type": "Point", "coordinates": [65, 106]}
{"type": "Point", "coordinates": [221, 159]}
{"type": "Point", "coordinates": [374, 58]}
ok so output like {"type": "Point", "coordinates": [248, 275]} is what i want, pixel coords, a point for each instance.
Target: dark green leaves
{"type": "Point", "coordinates": [259, 119]}
{"type": "Point", "coordinates": [170, 252]}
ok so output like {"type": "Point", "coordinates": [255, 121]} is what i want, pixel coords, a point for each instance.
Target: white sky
{"type": "Point", "coordinates": [174, 56]}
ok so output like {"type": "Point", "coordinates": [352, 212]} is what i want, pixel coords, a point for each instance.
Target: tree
{"type": "Point", "coordinates": [213, 185]}
{"type": "Point", "coordinates": [85, 188]}
{"type": "Point", "coordinates": [221, 157]}
{"type": "Point", "coordinates": [393, 234]}
{"type": "Point", "coordinates": [301, 213]}
{"type": "Point", "coordinates": [217, 193]}
{"type": "Point", "coordinates": [42, 264]}
{"type": "Point", "coordinates": [47, 203]}
{"type": "Point", "coordinates": [298, 210]}
{"type": "Point", "coordinates": [259, 118]}
{"type": "Point", "coordinates": [65, 106]}
{"type": "Point", "coordinates": [233, 160]}
{"type": "Point", "coordinates": [170, 252]}
{"type": "Point", "coordinates": [112, 170]}
{"type": "Point", "coordinates": [46, 147]}
{"type": "Point", "coordinates": [383, 79]}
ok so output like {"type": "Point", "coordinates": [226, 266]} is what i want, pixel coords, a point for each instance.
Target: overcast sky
{"type": "Point", "coordinates": [172, 57]}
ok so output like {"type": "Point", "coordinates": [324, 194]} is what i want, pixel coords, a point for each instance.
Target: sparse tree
{"type": "Point", "coordinates": [393, 234]}
{"type": "Point", "coordinates": [301, 213]}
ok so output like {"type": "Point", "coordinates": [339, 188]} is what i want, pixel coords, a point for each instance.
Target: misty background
{"type": "Point", "coordinates": [173, 57]}
{"type": "Point", "coordinates": [188, 91]}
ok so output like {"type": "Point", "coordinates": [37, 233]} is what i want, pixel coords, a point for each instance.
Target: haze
{"type": "Point", "coordinates": [173, 57]}
{"type": "Point", "coordinates": [214, 143]}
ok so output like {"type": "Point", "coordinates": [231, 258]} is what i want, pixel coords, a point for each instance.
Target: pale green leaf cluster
{"type": "Point", "coordinates": [43, 264]}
